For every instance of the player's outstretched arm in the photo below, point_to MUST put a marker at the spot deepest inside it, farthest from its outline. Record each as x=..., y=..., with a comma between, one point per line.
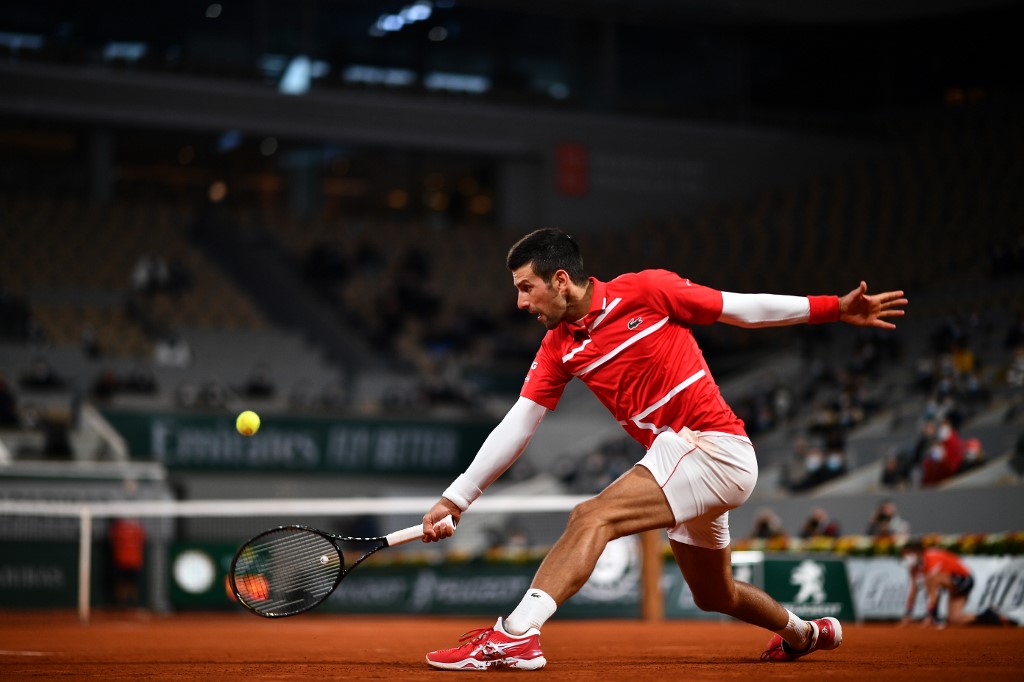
x=500, y=449
x=864, y=310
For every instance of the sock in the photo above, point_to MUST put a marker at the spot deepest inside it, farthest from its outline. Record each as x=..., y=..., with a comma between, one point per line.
x=535, y=608
x=796, y=630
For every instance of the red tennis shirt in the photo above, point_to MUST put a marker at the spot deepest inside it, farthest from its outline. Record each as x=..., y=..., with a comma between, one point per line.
x=935, y=560
x=635, y=350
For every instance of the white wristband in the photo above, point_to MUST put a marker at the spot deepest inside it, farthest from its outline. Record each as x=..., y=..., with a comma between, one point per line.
x=463, y=492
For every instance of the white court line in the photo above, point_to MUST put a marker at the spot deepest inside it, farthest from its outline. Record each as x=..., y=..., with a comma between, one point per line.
x=9, y=652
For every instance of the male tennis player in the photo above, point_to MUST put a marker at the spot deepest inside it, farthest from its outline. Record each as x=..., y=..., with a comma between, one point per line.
x=630, y=341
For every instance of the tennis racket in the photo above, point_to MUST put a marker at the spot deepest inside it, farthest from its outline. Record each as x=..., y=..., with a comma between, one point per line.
x=291, y=569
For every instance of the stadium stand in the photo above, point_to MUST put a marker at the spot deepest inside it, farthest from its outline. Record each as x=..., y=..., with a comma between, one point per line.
x=166, y=300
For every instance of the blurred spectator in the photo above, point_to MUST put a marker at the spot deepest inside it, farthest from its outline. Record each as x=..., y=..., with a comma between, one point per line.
x=41, y=375
x=140, y=380
x=892, y=474
x=767, y=525
x=150, y=274
x=1015, y=333
x=794, y=466
x=15, y=318
x=1015, y=371
x=897, y=468
x=172, y=351
x=106, y=385
x=819, y=524
x=334, y=395
x=302, y=395
x=974, y=455
x=962, y=358
x=325, y=265
x=1017, y=458
x=886, y=521
x=8, y=404
x=212, y=394
x=595, y=471
x=90, y=344
x=186, y=395
x=944, y=455
x=56, y=440
x=179, y=277
x=813, y=470
x=821, y=465
x=259, y=383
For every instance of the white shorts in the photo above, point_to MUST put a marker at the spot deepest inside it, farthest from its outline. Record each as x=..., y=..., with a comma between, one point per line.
x=703, y=476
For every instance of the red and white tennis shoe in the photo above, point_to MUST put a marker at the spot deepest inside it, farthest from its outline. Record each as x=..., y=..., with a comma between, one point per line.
x=826, y=633
x=492, y=649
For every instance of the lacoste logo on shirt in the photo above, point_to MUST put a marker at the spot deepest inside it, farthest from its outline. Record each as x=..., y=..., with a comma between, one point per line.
x=634, y=323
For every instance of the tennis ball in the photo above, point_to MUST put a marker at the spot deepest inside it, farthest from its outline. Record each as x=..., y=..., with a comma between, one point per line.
x=248, y=423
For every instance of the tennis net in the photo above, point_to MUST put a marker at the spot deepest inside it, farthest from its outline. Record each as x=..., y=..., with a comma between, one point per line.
x=79, y=555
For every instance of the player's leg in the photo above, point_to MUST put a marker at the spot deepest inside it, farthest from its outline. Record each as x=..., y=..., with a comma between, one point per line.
x=704, y=476
x=708, y=572
x=955, y=615
x=631, y=504
x=959, y=589
x=934, y=584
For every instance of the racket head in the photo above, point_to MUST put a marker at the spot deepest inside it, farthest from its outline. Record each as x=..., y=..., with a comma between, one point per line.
x=286, y=570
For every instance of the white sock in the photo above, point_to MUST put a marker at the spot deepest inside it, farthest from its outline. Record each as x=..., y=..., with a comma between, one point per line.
x=533, y=611
x=797, y=630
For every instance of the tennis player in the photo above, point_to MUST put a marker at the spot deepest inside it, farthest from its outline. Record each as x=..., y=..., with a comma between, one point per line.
x=630, y=341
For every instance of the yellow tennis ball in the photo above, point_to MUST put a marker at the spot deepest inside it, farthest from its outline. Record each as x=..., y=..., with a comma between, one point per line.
x=248, y=423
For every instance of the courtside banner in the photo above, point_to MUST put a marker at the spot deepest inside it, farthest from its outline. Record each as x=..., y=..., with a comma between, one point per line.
x=198, y=574
x=880, y=587
x=811, y=587
x=998, y=584
x=210, y=442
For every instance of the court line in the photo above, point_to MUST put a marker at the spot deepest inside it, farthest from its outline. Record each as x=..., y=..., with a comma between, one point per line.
x=12, y=652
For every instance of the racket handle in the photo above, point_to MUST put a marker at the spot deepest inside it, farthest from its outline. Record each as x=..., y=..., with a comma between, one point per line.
x=411, y=533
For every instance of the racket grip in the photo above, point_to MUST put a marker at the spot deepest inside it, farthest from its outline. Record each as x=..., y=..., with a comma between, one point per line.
x=411, y=533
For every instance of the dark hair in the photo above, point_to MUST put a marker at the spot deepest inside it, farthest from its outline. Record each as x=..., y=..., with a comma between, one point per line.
x=913, y=545
x=548, y=250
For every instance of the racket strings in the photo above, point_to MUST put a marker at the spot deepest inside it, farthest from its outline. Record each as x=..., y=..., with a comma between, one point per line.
x=287, y=571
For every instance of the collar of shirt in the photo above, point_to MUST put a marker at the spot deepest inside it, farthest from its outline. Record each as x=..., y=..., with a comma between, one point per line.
x=598, y=302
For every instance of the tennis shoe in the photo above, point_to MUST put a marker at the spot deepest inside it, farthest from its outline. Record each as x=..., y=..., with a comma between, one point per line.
x=826, y=633
x=491, y=649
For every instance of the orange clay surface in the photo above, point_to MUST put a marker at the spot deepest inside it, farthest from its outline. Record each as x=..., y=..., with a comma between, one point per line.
x=50, y=646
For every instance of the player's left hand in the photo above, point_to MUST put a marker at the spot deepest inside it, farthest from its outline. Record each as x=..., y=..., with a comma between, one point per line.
x=864, y=310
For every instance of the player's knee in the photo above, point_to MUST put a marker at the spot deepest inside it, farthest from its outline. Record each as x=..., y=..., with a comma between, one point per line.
x=589, y=516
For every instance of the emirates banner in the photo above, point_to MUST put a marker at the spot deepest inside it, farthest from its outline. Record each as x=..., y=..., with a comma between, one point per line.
x=200, y=441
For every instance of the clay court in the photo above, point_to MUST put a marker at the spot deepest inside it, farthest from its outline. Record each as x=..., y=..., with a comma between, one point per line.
x=240, y=646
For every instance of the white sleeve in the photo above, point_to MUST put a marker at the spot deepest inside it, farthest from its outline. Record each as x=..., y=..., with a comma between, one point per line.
x=764, y=310
x=500, y=449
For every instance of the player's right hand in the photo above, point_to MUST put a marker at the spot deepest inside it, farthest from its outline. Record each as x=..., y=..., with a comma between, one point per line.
x=433, y=530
